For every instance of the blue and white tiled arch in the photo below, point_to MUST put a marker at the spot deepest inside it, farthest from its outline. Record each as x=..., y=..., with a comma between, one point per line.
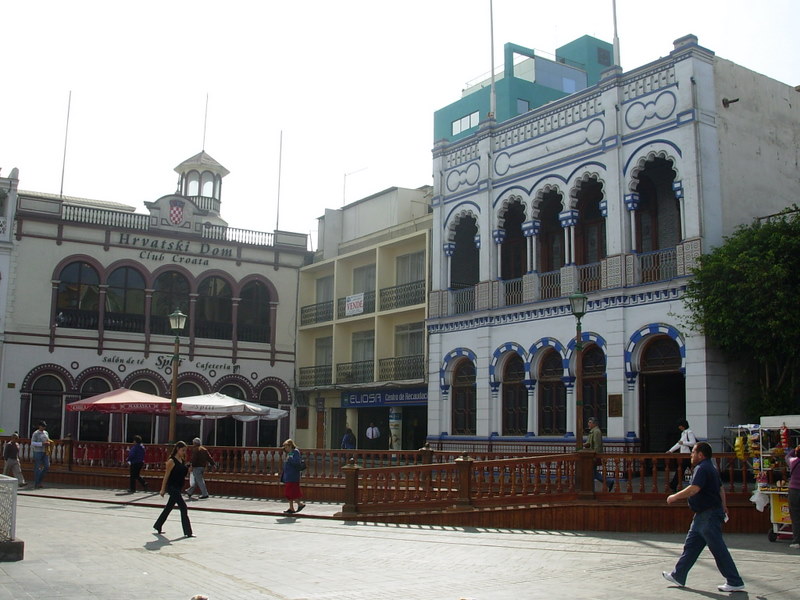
x=631, y=370
x=449, y=359
x=586, y=337
x=536, y=350
x=499, y=353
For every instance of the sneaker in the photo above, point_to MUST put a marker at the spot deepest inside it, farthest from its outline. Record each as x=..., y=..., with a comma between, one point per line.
x=726, y=587
x=794, y=546
x=671, y=579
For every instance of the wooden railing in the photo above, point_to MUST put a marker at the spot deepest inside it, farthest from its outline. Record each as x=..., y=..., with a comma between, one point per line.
x=381, y=480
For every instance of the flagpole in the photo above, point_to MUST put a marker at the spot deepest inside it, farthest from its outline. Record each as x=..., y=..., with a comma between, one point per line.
x=64, y=157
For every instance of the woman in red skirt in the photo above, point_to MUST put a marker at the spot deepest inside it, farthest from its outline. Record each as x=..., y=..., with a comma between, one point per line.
x=291, y=477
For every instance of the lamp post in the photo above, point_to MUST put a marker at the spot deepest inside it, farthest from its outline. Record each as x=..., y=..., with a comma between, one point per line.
x=577, y=302
x=177, y=321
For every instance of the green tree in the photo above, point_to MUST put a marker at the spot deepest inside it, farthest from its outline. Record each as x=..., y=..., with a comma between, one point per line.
x=744, y=297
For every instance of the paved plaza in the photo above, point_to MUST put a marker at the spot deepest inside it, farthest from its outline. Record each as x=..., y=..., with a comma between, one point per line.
x=91, y=544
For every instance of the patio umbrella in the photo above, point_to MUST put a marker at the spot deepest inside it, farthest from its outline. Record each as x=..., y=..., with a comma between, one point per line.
x=217, y=406
x=125, y=401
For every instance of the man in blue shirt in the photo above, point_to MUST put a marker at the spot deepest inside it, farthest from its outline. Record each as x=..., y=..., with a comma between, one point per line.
x=706, y=498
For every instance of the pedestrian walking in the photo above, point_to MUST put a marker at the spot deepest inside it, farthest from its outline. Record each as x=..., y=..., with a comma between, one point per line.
x=201, y=458
x=684, y=445
x=174, y=476
x=11, y=456
x=40, y=444
x=595, y=442
x=706, y=498
x=136, y=462
x=793, y=463
x=348, y=440
x=291, y=477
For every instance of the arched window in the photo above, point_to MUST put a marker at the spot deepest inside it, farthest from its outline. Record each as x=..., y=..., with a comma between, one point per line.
x=658, y=213
x=515, y=397
x=268, y=430
x=464, y=267
x=170, y=291
x=47, y=404
x=193, y=184
x=230, y=431
x=253, y=317
x=594, y=385
x=662, y=355
x=551, y=234
x=590, y=232
x=186, y=428
x=552, y=396
x=125, y=301
x=93, y=426
x=141, y=424
x=78, y=296
x=464, y=403
x=207, y=184
x=213, y=313
x=514, y=261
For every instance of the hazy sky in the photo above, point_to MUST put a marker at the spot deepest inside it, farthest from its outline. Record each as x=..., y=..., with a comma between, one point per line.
x=353, y=85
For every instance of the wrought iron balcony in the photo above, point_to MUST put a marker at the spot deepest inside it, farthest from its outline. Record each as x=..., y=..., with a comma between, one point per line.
x=315, y=376
x=355, y=372
x=316, y=313
x=407, y=294
x=658, y=265
x=368, y=306
x=401, y=367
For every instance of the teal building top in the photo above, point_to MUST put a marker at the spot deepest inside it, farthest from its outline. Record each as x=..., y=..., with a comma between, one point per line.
x=525, y=85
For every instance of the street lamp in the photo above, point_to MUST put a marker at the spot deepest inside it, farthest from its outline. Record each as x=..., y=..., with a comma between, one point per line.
x=577, y=302
x=177, y=321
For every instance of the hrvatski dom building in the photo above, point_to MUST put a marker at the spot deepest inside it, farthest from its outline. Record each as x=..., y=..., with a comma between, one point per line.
x=589, y=179
x=88, y=286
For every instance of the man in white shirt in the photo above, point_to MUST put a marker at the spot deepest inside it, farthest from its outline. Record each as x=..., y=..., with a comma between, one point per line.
x=40, y=441
x=684, y=446
x=373, y=435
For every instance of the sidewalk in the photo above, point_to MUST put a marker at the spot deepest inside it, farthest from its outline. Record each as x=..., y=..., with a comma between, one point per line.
x=89, y=544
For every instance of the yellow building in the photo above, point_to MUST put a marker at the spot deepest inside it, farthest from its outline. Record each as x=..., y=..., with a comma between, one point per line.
x=361, y=342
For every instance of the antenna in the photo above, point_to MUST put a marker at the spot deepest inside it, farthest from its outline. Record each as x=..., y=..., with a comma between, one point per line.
x=64, y=158
x=616, y=39
x=492, y=94
x=280, y=163
x=344, y=185
x=205, y=124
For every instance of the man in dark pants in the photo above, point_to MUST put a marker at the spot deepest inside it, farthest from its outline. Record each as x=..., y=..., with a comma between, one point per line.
x=706, y=498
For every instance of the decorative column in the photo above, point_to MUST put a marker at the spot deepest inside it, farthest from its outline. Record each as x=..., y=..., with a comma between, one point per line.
x=568, y=220
x=499, y=236
x=530, y=229
x=632, y=203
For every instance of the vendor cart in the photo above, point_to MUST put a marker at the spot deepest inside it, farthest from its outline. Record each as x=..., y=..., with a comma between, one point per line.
x=776, y=436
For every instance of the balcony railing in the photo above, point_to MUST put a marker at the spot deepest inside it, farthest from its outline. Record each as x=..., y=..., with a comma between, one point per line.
x=401, y=367
x=316, y=313
x=123, y=322
x=512, y=291
x=355, y=372
x=77, y=319
x=205, y=203
x=367, y=307
x=658, y=265
x=462, y=300
x=407, y=294
x=316, y=375
x=589, y=278
x=550, y=285
x=215, y=330
x=252, y=333
x=108, y=218
x=239, y=236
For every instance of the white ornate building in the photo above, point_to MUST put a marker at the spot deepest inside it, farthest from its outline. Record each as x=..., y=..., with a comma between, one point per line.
x=89, y=286
x=614, y=191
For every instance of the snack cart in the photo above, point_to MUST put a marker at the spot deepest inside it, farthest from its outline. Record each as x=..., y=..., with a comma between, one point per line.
x=776, y=435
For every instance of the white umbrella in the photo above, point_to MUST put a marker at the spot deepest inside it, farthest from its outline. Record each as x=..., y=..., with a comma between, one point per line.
x=218, y=406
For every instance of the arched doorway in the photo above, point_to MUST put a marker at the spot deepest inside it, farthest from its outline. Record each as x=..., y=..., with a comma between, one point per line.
x=662, y=394
x=515, y=397
x=464, y=417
